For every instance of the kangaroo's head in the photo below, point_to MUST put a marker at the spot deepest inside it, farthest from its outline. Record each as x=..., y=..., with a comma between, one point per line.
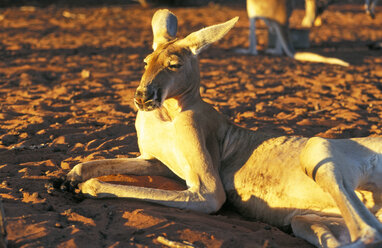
x=172, y=71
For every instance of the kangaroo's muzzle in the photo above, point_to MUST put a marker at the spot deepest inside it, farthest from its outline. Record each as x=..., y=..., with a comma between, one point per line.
x=148, y=98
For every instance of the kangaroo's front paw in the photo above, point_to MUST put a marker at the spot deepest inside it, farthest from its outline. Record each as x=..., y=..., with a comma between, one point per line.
x=61, y=183
x=90, y=187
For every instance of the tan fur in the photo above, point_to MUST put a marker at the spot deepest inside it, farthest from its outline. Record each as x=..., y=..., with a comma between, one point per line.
x=311, y=19
x=308, y=183
x=275, y=13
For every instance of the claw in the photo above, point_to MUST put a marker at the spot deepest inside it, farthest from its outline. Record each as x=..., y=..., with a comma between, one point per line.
x=65, y=186
x=73, y=185
x=61, y=184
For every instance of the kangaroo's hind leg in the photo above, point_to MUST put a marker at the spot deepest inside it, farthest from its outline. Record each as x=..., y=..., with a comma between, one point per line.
x=310, y=13
x=274, y=44
x=339, y=167
x=320, y=230
x=252, y=36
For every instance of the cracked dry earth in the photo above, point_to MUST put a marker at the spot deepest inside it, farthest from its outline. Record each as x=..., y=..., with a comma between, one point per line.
x=67, y=80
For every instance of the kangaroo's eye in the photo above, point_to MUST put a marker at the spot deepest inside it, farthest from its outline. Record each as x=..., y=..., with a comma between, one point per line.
x=145, y=64
x=174, y=66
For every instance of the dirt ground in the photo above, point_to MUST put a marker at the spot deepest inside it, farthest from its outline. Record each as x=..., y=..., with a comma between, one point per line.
x=67, y=80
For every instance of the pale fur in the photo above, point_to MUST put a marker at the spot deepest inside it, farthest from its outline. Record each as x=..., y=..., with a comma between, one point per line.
x=275, y=14
x=306, y=182
x=164, y=25
x=311, y=19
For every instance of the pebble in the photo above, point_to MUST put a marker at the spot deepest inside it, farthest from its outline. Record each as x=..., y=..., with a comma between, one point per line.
x=9, y=139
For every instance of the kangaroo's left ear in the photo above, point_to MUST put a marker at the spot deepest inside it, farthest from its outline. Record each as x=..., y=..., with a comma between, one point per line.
x=198, y=40
x=164, y=25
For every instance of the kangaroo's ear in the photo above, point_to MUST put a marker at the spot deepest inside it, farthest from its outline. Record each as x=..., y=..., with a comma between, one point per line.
x=198, y=40
x=164, y=25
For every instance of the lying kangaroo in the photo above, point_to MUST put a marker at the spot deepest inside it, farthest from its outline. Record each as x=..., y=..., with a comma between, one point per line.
x=308, y=183
x=276, y=13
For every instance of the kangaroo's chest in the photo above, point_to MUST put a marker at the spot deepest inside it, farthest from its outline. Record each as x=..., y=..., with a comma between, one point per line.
x=157, y=138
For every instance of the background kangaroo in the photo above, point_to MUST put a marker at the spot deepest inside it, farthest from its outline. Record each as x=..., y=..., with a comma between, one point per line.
x=275, y=14
x=370, y=7
x=314, y=9
x=308, y=183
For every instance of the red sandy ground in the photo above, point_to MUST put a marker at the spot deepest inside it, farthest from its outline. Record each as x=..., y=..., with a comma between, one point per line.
x=54, y=116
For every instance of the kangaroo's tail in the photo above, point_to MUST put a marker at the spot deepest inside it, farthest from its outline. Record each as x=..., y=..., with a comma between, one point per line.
x=283, y=36
x=313, y=57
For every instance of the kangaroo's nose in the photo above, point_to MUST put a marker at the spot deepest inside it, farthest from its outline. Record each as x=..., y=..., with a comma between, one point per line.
x=144, y=95
x=138, y=98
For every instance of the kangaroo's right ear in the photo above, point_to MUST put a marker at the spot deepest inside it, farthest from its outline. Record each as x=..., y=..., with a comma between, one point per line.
x=164, y=25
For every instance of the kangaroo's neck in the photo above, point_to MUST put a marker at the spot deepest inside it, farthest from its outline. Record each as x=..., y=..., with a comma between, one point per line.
x=173, y=106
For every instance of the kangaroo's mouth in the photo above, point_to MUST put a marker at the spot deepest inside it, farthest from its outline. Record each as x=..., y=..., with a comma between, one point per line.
x=148, y=105
x=148, y=100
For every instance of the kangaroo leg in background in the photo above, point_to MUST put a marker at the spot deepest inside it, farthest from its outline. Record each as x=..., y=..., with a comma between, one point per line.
x=252, y=39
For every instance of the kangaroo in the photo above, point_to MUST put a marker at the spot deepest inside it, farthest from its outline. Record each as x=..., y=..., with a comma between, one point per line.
x=314, y=9
x=276, y=13
x=370, y=7
x=308, y=183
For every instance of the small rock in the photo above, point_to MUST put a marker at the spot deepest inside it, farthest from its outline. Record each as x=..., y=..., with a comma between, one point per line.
x=250, y=87
x=9, y=139
x=58, y=225
x=49, y=208
x=35, y=195
x=304, y=122
x=85, y=73
x=65, y=165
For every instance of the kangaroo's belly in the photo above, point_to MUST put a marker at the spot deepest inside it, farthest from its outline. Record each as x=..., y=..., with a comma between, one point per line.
x=271, y=9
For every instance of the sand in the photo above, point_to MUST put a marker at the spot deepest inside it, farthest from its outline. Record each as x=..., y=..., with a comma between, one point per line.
x=67, y=80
